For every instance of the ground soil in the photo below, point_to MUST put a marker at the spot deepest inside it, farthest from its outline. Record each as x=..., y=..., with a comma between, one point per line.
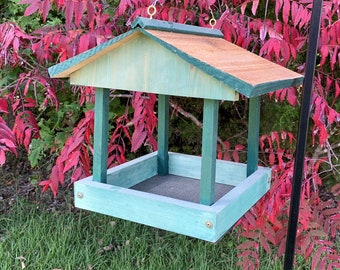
x=19, y=180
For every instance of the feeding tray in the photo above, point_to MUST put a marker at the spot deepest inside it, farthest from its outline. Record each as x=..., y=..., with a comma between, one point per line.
x=197, y=196
x=134, y=191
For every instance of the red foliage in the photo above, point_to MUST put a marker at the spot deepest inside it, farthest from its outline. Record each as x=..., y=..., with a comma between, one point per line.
x=281, y=39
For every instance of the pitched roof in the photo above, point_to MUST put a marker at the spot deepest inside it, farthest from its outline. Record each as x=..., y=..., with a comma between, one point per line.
x=202, y=49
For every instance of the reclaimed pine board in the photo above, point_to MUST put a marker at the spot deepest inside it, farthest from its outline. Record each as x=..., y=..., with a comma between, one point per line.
x=101, y=133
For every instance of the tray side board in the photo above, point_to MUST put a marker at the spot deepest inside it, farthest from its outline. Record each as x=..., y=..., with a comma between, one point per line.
x=208, y=223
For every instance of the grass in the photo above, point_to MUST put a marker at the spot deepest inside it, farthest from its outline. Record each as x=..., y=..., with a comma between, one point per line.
x=33, y=238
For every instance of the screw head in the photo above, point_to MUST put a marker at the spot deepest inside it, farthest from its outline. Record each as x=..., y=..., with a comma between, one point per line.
x=80, y=195
x=208, y=224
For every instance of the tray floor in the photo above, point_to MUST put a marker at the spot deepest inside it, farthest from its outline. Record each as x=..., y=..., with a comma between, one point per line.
x=178, y=187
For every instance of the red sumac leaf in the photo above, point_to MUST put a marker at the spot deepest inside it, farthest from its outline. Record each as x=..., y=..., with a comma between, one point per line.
x=27, y=139
x=78, y=11
x=278, y=6
x=3, y=105
x=84, y=42
x=76, y=174
x=2, y=157
x=54, y=180
x=75, y=142
x=250, y=218
x=69, y=10
x=265, y=244
x=337, y=90
x=72, y=161
x=31, y=8
x=46, y=5
x=248, y=245
x=138, y=138
x=286, y=11
x=336, y=189
x=292, y=96
x=254, y=6
x=263, y=31
x=271, y=158
x=324, y=51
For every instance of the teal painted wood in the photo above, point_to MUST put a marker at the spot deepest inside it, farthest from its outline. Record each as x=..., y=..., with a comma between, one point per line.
x=204, y=222
x=227, y=172
x=209, y=141
x=240, y=199
x=253, y=134
x=156, y=70
x=149, y=209
x=133, y=172
x=163, y=134
x=175, y=27
x=101, y=131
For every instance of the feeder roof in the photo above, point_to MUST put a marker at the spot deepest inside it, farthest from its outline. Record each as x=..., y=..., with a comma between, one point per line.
x=175, y=59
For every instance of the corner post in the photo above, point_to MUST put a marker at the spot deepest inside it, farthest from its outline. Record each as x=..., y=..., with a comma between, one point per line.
x=101, y=129
x=163, y=134
x=253, y=134
x=209, y=142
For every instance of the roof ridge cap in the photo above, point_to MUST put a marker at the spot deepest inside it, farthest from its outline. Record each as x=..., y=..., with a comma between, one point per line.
x=153, y=24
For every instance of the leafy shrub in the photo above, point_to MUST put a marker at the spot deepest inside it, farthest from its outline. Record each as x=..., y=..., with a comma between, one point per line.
x=49, y=118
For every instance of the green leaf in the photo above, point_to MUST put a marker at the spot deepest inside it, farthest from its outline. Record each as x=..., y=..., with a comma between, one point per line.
x=37, y=152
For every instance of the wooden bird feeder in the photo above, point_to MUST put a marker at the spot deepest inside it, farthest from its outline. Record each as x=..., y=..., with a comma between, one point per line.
x=196, y=196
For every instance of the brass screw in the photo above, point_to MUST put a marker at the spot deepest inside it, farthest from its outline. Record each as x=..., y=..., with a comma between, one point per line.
x=80, y=195
x=208, y=224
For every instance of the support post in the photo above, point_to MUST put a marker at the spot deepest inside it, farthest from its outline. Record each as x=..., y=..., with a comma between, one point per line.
x=209, y=142
x=101, y=123
x=163, y=134
x=302, y=134
x=253, y=134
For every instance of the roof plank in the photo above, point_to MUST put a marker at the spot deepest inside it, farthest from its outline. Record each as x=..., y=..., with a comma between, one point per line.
x=232, y=63
x=229, y=64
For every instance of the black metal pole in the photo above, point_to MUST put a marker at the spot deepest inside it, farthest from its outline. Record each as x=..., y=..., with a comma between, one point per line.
x=302, y=133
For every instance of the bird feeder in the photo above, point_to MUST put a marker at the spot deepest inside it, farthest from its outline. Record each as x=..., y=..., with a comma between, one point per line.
x=198, y=196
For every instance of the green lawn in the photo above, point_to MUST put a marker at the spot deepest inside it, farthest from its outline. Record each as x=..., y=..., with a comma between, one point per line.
x=31, y=237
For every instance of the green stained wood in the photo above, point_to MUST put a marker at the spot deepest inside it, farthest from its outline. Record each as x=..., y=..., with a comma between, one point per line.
x=155, y=70
x=101, y=122
x=163, y=134
x=253, y=134
x=175, y=27
x=209, y=140
x=225, y=66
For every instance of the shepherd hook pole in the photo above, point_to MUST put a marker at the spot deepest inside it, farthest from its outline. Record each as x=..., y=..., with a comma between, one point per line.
x=302, y=133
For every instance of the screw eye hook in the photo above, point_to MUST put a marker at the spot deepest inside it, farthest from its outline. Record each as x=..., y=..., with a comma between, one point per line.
x=151, y=11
